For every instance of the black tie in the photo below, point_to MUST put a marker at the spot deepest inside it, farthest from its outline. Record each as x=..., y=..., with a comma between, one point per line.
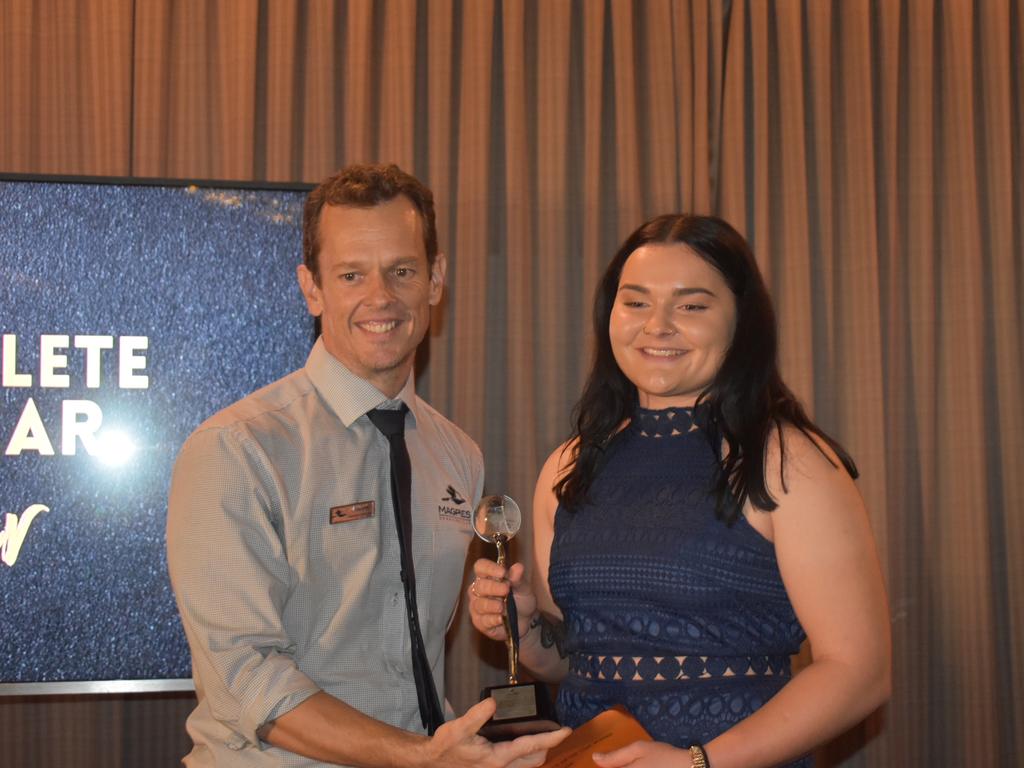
x=392, y=424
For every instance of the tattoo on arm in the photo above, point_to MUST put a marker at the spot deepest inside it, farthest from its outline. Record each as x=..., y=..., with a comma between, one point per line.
x=552, y=633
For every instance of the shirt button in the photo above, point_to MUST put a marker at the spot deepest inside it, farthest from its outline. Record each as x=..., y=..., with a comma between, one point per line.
x=394, y=599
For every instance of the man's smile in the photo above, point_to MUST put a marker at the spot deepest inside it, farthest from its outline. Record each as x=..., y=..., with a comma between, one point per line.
x=378, y=326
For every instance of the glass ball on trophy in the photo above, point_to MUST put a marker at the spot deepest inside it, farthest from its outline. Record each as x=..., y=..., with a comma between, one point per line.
x=522, y=707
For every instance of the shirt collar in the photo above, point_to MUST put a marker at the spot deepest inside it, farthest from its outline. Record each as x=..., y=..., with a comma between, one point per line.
x=349, y=395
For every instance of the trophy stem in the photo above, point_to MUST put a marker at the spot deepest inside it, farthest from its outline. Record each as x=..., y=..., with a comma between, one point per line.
x=519, y=708
x=509, y=620
x=499, y=542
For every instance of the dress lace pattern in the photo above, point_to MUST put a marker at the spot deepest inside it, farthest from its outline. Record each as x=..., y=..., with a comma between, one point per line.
x=668, y=611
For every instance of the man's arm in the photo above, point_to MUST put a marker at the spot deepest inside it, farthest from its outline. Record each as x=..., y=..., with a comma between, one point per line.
x=326, y=729
x=231, y=579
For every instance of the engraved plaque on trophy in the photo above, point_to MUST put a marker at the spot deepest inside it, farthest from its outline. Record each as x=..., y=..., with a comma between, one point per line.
x=522, y=707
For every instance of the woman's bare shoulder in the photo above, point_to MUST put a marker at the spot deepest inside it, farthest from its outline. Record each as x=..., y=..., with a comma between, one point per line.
x=560, y=461
x=793, y=457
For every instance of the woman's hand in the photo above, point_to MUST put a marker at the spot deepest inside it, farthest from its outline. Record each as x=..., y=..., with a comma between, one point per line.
x=645, y=754
x=490, y=585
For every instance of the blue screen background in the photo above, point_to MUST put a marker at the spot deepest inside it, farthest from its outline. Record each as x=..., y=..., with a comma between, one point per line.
x=208, y=275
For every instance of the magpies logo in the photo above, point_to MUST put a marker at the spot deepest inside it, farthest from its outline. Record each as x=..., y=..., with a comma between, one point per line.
x=453, y=496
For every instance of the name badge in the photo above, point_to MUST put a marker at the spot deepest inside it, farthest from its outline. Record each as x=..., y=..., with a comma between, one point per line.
x=350, y=512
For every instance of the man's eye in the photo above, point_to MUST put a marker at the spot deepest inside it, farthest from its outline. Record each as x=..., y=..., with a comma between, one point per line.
x=403, y=272
x=348, y=277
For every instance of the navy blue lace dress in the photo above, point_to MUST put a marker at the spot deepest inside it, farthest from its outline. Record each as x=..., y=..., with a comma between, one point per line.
x=668, y=611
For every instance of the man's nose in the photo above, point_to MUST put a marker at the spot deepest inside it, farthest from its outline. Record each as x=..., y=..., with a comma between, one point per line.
x=378, y=289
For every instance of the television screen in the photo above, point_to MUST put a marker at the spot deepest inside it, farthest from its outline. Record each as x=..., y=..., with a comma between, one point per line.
x=129, y=313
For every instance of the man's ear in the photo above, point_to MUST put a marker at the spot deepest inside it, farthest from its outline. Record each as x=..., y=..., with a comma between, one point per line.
x=310, y=290
x=438, y=270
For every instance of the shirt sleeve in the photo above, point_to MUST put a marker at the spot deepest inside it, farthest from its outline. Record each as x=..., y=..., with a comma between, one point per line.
x=230, y=575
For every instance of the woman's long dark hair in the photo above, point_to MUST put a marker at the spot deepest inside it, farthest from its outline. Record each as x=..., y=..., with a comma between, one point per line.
x=745, y=405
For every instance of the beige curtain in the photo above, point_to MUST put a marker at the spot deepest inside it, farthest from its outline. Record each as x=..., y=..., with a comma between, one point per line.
x=872, y=151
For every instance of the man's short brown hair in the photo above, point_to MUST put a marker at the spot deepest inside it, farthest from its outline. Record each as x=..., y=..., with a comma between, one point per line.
x=365, y=186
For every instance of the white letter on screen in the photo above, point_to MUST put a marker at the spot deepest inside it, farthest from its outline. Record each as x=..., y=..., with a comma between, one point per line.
x=50, y=361
x=71, y=428
x=15, y=531
x=130, y=362
x=11, y=377
x=29, y=434
x=93, y=346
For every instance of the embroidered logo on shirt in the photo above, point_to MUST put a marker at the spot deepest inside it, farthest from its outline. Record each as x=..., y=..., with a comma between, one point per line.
x=350, y=512
x=452, y=511
x=453, y=496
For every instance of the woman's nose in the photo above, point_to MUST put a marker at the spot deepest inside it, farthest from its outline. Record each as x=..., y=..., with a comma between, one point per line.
x=659, y=324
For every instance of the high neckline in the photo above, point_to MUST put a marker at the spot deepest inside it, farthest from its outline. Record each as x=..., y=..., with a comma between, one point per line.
x=663, y=422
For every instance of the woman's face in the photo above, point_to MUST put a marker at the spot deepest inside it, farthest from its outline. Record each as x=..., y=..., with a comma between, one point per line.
x=671, y=324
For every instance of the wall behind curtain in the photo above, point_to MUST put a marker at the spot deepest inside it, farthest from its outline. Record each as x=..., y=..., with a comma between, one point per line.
x=873, y=153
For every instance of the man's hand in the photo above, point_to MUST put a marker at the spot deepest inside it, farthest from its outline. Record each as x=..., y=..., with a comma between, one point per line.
x=458, y=745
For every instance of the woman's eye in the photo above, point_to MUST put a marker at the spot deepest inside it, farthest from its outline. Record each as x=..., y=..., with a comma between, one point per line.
x=694, y=307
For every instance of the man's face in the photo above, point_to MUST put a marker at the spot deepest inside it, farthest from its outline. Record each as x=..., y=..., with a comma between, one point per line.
x=375, y=289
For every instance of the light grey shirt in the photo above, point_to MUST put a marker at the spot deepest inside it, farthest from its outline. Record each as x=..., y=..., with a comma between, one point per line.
x=284, y=558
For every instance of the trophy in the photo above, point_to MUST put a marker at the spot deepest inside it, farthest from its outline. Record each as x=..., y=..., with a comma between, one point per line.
x=522, y=707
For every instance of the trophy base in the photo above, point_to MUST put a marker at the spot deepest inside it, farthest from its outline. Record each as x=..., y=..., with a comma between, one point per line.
x=522, y=709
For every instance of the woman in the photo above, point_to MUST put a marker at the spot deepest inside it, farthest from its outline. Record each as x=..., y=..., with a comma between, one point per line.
x=696, y=526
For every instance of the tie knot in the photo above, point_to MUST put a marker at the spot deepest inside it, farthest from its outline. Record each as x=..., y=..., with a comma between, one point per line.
x=389, y=422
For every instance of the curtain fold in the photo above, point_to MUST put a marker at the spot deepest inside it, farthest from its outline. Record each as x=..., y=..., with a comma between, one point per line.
x=872, y=152
x=66, y=86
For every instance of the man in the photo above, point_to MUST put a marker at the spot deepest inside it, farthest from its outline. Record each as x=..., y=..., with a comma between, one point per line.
x=285, y=551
